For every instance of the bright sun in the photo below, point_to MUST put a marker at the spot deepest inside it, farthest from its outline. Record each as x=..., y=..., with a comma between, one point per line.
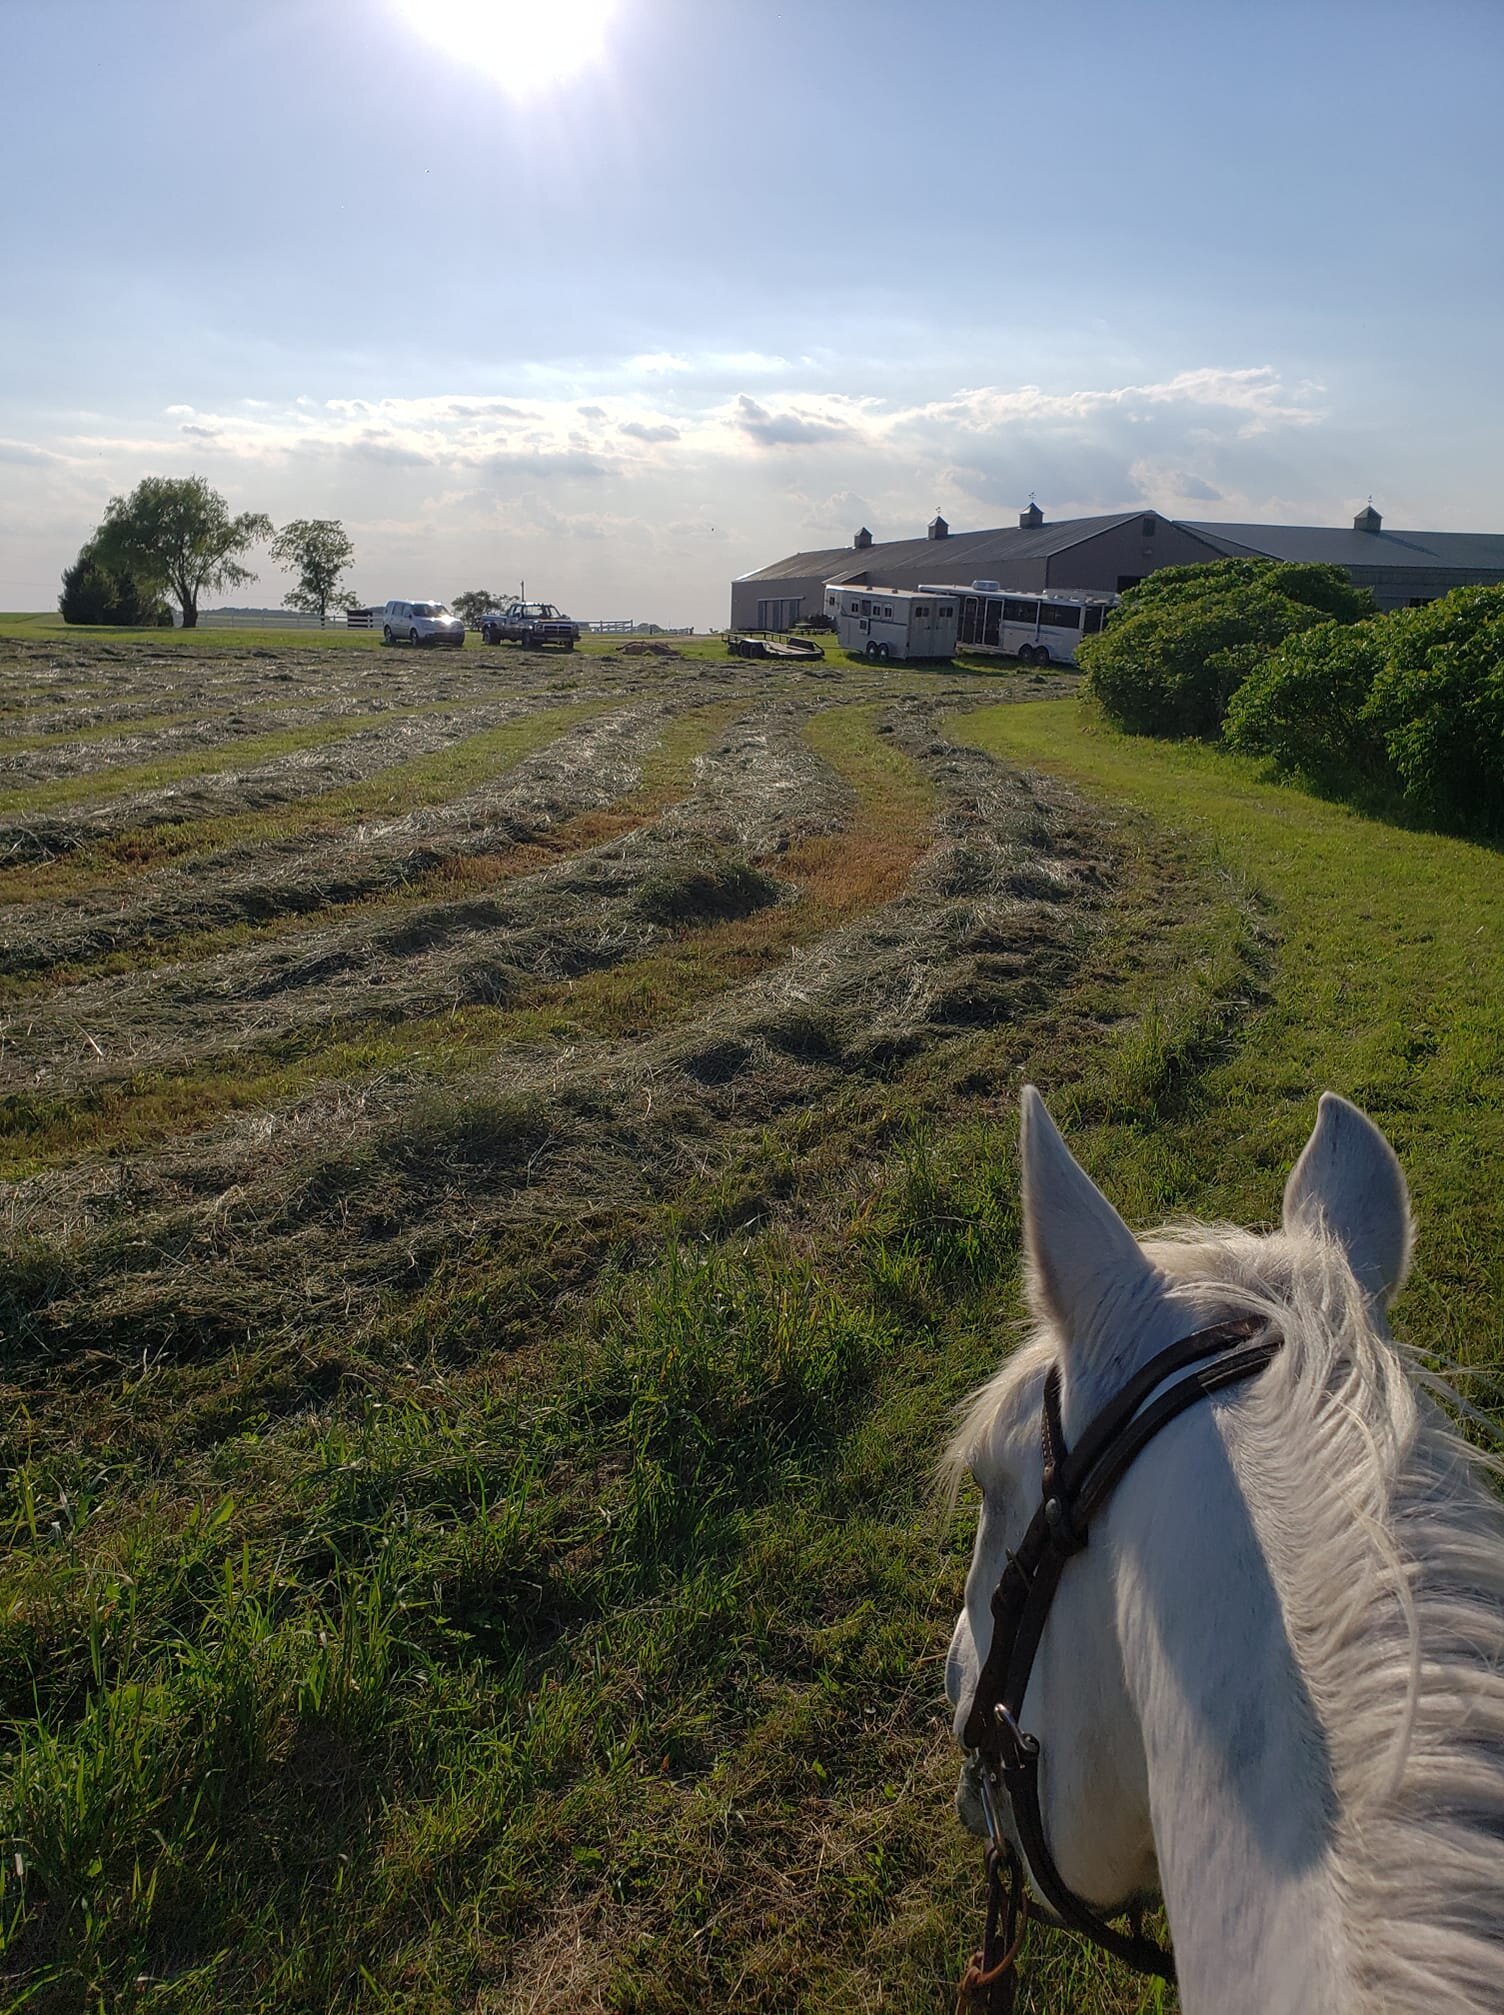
x=528, y=45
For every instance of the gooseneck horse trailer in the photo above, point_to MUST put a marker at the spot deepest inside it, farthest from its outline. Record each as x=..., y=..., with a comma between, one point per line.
x=1035, y=629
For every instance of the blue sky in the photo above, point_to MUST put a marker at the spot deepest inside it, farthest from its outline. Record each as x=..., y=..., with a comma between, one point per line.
x=749, y=277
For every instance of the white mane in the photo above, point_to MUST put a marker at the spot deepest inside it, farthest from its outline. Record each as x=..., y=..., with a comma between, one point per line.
x=1387, y=1551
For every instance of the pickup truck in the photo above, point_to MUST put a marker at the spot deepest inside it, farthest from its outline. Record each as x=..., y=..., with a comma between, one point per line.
x=534, y=624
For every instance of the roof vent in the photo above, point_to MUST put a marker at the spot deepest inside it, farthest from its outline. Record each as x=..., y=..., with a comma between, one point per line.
x=1368, y=519
x=862, y=540
x=1029, y=520
x=938, y=529
x=986, y=587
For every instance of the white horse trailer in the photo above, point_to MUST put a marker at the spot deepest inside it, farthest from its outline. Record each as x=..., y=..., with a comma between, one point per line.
x=893, y=622
x=1035, y=629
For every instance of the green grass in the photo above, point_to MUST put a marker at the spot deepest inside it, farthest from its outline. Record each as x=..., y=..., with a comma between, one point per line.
x=1386, y=983
x=572, y=1625
x=211, y=638
x=707, y=647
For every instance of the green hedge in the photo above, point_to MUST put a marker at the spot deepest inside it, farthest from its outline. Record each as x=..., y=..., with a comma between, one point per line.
x=1304, y=705
x=1439, y=704
x=1181, y=643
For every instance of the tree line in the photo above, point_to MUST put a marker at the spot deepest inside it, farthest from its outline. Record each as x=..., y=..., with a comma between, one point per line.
x=173, y=539
x=1399, y=711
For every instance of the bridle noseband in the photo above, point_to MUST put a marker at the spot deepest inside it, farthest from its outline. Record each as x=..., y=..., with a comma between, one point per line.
x=1076, y=1482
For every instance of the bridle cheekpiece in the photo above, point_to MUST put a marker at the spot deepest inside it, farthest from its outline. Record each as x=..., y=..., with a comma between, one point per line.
x=1004, y=1756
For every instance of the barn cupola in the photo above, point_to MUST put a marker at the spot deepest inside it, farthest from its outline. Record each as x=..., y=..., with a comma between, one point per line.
x=937, y=528
x=862, y=540
x=1032, y=519
x=1368, y=519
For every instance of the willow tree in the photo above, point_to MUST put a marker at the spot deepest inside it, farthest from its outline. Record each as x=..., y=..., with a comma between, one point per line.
x=174, y=535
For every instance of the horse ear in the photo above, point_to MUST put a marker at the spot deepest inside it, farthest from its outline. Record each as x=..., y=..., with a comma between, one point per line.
x=1348, y=1184
x=1083, y=1259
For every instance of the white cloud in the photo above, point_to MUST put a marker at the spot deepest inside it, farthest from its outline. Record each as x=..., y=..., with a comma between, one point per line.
x=794, y=426
x=643, y=497
x=656, y=362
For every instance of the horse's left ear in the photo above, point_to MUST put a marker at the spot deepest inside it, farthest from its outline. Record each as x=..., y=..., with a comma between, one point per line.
x=1349, y=1184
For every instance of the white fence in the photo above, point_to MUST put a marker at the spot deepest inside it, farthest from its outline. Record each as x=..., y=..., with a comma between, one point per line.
x=260, y=619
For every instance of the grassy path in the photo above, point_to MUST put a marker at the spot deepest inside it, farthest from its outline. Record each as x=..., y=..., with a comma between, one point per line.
x=1385, y=982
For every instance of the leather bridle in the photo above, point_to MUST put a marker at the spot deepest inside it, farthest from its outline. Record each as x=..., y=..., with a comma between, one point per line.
x=1004, y=1757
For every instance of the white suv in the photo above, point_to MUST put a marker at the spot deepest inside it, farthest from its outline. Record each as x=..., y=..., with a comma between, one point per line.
x=421, y=623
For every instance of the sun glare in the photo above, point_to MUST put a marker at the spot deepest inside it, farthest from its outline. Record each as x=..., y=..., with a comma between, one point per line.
x=526, y=45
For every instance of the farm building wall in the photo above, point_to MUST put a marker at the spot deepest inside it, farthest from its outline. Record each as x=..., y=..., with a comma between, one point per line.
x=767, y=605
x=1399, y=587
x=1113, y=560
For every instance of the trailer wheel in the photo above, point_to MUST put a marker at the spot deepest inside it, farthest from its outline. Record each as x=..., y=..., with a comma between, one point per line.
x=1026, y=654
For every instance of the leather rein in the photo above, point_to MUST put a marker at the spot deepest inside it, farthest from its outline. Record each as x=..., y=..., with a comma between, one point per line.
x=1004, y=1757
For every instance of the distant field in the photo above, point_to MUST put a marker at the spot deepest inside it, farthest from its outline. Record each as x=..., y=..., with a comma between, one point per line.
x=338, y=637
x=507, y=1170
x=213, y=636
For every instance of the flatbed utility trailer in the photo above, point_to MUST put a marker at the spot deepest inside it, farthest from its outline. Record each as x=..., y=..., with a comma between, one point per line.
x=774, y=647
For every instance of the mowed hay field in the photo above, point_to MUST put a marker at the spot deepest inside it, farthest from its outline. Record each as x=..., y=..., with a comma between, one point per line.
x=508, y=1170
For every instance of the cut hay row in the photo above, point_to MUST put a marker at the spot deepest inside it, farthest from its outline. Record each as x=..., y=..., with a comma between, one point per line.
x=551, y=955
x=166, y=820
x=543, y=779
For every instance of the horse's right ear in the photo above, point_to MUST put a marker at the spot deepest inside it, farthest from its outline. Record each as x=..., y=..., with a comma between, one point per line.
x=1084, y=1262
x=1349, y=1185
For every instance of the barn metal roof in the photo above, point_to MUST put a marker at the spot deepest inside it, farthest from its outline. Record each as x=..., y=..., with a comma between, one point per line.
x=1344, y=546
x=987, y=555
x=974, y=555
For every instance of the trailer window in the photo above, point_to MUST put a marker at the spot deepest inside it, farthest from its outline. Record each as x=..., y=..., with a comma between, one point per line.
x=921, y=609
x=1059, y=616
x=1020, y=612
x=993, y=624
x=1094, y=618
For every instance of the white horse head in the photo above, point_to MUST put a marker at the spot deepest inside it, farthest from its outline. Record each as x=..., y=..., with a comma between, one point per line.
x=1271, y=1689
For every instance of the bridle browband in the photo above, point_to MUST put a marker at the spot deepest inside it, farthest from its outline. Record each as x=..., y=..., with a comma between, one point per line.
x=1076, y=1482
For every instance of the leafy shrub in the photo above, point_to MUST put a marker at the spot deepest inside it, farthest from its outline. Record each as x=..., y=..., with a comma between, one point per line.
x=1439, y=704
x=1304, y=704
x=1183, y=641
x=95, y=593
